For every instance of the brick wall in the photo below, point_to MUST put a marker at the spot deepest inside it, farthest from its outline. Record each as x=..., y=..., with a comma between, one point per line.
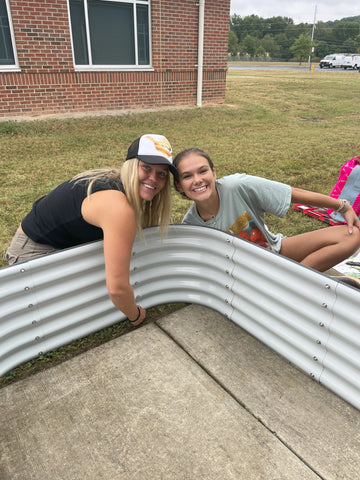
x=49, y=84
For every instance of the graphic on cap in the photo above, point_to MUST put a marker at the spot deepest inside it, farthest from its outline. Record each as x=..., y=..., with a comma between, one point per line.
x=163, y=146
x=153, y=149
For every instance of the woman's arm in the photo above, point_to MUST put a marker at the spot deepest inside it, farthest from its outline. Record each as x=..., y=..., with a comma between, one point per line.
x=110, y=210
x=319, y=200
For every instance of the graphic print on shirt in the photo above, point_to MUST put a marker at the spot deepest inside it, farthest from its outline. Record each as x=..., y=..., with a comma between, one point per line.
x=246, y=228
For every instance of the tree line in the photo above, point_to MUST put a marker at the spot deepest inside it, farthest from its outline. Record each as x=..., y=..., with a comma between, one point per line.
x=279, y=38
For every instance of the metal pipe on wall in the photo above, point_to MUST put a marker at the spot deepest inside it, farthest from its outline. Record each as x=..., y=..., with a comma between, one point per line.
x=200, y=52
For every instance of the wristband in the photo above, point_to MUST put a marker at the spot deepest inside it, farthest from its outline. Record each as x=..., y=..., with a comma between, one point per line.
x=137, y=318
x=344, y=206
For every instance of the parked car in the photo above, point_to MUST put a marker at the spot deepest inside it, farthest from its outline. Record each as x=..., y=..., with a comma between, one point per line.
x=351, y=61
x=333, y=60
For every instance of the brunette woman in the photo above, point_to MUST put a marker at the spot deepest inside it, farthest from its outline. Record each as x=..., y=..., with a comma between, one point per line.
x=237, y=204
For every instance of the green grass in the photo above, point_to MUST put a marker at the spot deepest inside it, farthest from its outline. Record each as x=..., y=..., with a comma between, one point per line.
x=297, y=127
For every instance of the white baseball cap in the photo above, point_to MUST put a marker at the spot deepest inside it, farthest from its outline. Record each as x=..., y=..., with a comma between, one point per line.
x=153, y=149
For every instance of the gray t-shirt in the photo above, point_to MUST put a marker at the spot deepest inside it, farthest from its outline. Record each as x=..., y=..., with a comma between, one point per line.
x=244, y=199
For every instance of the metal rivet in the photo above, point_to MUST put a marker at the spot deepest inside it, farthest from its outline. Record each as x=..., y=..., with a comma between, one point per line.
x=324, y=305
x=318, y=342
x=315, y=359
x=312, y=375
x=37, y=338
x=226, y=301
x=327, y=286
x=22, y=270
x=321, y=324
x=26, y=289
x=227, y=256
x=227, y=271
x=227, y=240
x=34, y=322
x=30, y=305
x=41, y=353
x=227, y=286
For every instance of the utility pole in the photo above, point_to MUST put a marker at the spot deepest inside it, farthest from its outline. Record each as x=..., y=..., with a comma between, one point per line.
x=312, y=38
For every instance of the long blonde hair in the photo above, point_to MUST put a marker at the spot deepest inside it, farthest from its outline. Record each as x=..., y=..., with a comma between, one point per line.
x=147, y=214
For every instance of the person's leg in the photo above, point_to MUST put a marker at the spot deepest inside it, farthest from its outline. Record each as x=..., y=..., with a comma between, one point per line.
x=321, y=249
x=23, y=248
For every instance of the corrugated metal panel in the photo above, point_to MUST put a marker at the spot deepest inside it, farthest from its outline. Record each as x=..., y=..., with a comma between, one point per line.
x=342, y=361
x=307, y=317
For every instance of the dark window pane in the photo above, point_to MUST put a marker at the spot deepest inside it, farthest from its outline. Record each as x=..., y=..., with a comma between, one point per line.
x=6, y=49
x=143, y=34
x=79, y=32
x=111, y=33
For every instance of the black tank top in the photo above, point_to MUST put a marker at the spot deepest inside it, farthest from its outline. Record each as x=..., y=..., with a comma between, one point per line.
x=56, y=220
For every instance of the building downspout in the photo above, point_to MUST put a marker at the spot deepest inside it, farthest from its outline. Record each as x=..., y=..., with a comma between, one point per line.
x=200, y=52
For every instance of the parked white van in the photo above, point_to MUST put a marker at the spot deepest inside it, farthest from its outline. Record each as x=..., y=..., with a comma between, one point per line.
x=351, y=61
x=333, y=60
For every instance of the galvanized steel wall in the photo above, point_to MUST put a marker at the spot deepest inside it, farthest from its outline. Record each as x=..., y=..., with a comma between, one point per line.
x=307, y=317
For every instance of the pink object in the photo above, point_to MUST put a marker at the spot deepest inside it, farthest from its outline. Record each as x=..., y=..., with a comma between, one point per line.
x=339, y=185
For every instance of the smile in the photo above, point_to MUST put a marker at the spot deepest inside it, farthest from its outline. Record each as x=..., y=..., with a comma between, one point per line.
x=146, y=185
x=200, y=189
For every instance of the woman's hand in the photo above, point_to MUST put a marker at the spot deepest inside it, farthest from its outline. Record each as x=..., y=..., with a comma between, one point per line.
x=142, y=315
x=351, y=219
x=314, y=199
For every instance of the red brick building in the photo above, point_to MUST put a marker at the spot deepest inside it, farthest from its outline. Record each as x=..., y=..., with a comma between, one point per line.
x=61, y=56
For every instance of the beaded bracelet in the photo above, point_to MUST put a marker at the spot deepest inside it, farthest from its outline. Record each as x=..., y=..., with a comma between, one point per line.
x=344, y=206
x=137, y=318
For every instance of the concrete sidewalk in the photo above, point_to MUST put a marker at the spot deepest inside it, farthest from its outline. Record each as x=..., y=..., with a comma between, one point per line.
x=190, y=397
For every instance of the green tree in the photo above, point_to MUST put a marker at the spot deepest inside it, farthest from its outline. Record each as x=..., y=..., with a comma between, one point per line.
x=350, y=45
x=276, y=25
x=270, y=46
x=260, y=51
x=249, y=43
x=233, y=47
x=345, y=30
x=323, y=33
x=235, y=25
x=301, y=47
x=357, y=40
x=253, y=25
x=279, y=36
x=284, y=45
x=322, y=49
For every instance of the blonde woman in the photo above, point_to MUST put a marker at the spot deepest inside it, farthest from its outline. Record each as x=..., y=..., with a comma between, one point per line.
x=108, y=204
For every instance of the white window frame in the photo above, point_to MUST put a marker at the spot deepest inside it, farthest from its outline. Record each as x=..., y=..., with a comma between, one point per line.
x=14, y=67
x=135, y=67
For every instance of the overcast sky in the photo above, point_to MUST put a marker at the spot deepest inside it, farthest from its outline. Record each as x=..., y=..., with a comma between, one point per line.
x=298, y=10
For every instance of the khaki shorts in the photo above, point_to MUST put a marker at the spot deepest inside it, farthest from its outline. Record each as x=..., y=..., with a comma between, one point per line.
x=23, y=248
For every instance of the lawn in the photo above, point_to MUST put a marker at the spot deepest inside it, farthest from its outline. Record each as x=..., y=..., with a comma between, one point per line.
x=297, y=127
